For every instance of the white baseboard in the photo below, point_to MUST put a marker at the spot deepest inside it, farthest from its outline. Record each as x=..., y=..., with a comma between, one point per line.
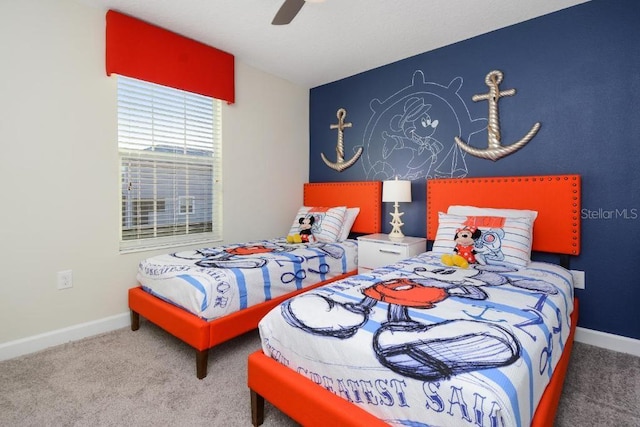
x=608, y=341
x=23, y=346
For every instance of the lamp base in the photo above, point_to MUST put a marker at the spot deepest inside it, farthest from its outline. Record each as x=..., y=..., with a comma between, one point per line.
x=396, y=223
x=397, y=236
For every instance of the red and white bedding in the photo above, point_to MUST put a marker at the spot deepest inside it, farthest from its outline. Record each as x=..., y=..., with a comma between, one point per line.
x=214, y=282
x=422, y=344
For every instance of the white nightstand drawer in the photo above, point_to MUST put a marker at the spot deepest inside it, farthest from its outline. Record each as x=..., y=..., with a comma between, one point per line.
x=374, y=254
x=377, y=250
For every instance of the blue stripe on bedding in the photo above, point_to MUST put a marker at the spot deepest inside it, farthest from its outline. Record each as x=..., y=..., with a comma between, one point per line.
x=527, y=359
x=196, y=284
x=498, y=377
x=267, y=284
x=162, y=297
x=242, y=286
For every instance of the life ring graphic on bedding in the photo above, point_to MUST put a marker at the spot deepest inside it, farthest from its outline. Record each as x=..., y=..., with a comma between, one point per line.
x=427, y=352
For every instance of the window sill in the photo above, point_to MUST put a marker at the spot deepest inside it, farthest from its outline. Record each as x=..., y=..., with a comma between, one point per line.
x=148, y=246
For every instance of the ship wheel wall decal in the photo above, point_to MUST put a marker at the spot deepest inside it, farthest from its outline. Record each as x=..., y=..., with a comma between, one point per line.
x=495, y=150
x=340, y=163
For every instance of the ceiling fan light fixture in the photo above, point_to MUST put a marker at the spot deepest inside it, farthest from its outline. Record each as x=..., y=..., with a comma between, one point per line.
x=289, y=10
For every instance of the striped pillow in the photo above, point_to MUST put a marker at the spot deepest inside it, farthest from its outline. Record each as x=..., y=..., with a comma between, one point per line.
x=503, y=240
x=327, y=222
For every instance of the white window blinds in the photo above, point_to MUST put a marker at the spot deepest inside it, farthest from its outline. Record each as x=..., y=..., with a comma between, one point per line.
x=170, y=159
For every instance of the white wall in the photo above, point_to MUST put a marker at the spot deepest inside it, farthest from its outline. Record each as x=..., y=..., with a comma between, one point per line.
x=265, y=155
x=59, y=170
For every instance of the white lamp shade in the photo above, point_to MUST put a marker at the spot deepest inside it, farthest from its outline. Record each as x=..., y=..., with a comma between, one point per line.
x=396, y=191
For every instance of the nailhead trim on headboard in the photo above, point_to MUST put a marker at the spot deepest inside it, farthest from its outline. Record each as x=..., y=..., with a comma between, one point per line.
x=556, y=198
x=367, y=195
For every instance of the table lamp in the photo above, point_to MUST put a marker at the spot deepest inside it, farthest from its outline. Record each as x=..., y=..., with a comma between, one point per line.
x=396, y=191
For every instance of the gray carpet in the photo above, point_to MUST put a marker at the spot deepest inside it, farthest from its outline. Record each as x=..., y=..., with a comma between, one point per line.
x=147, y=378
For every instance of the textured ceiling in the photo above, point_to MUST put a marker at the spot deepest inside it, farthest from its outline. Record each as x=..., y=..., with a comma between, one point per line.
x=335, y=39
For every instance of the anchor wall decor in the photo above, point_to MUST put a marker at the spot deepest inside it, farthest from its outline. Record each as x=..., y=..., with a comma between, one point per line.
x=495, y=150
x=340, y=163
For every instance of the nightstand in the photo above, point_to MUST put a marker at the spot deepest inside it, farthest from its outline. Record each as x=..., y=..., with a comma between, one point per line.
x=377, y=250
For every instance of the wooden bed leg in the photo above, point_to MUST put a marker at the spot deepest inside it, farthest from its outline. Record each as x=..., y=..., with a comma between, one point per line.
x=202, y=359
x=257, y=409
x=135, y=321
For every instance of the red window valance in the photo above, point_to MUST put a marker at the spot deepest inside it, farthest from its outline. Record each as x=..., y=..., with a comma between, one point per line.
x=143, y=51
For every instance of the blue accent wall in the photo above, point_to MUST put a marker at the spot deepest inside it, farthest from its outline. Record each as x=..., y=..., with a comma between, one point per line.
x=576, y=71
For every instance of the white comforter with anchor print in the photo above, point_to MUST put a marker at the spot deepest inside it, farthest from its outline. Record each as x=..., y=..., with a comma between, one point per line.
x=214, y=282
x=421, y=344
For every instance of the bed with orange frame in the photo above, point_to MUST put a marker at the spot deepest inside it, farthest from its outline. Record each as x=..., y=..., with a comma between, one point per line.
x=556, y=198
x=203, y=335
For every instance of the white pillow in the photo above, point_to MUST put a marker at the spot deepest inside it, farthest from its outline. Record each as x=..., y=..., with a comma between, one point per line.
x=327, y=222
x=476, y=211
x=349, y=219
x=503, y=240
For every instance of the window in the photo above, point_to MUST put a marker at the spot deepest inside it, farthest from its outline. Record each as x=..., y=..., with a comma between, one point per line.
x=185, y=205
x=170, y=166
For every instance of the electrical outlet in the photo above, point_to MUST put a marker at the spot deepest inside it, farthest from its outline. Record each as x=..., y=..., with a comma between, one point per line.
x=578, y=279
x=65, y=279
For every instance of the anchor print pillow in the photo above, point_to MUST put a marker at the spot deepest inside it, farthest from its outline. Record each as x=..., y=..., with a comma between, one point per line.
x=503, y=240
x=327, y=223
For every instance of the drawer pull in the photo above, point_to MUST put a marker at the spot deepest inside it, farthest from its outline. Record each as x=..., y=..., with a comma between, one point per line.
x=387, y=251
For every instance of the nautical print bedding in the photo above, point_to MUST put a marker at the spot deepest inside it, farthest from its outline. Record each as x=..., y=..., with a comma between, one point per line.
x=214, y=282
x=421, y=344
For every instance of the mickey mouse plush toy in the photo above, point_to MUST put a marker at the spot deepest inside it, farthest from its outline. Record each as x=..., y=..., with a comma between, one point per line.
x=304, y=235
x=465, y=252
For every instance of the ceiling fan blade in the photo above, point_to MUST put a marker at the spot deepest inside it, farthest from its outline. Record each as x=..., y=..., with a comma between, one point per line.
x=287, y=12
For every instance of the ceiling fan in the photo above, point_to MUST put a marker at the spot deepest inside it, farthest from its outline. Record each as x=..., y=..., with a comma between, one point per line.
x=289, y=10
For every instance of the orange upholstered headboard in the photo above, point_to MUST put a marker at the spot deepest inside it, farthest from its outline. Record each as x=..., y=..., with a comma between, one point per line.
x=366, y=195
x=556, y=198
